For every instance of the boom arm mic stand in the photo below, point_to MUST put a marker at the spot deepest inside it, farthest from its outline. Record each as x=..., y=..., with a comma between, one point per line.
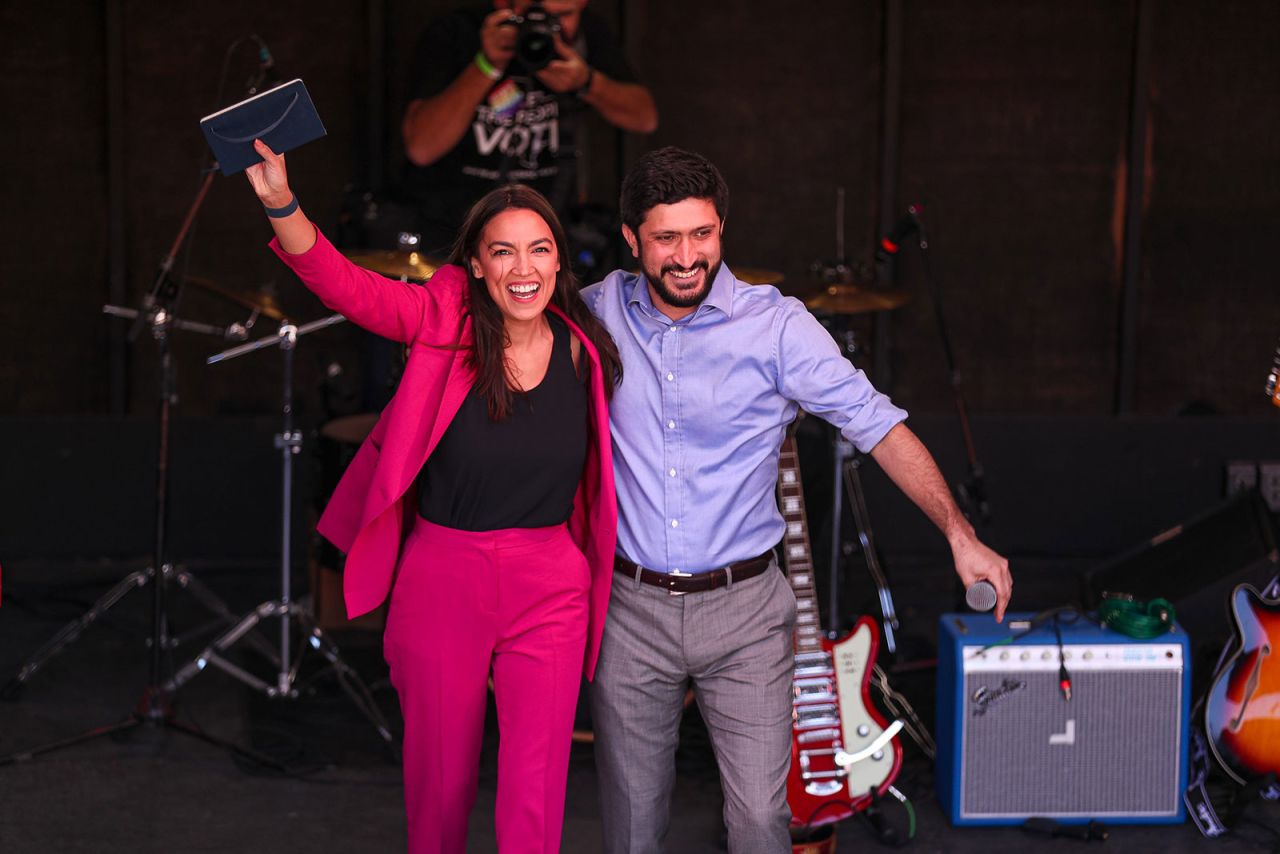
x=154, y=707
x=971, y=493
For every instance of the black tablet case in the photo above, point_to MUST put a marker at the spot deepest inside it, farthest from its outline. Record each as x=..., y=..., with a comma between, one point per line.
x=284, y=118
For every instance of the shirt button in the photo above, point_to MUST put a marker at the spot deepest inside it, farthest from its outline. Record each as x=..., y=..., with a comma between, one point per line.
x=672, y=472
x=671, y=425
x=670, y=376
x=675, y=523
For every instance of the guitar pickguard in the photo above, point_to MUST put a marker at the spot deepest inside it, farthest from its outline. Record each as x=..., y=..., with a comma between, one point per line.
x=852, y=662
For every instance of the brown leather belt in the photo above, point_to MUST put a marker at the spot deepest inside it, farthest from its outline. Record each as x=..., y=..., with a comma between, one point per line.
x=678, y=583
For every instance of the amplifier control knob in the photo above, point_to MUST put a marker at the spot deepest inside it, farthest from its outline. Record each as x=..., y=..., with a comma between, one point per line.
x=1025, y=656
x=1045, y=655
x=1087, y=655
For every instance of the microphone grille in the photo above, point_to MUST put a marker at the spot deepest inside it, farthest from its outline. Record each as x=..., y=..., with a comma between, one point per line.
x=980, y=596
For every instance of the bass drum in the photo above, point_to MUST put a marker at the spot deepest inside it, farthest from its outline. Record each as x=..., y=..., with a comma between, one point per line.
x=339, y=440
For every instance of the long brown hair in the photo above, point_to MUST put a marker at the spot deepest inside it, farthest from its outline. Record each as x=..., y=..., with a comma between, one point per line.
x=486, y=356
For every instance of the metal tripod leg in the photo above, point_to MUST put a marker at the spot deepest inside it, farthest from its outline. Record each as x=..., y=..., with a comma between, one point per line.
x=848, y=462
x=347, y=678
x=71, y=632
x=164, y=719
x=286, y=683
x=219, y=608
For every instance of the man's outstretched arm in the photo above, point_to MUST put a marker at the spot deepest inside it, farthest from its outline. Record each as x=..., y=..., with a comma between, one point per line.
x=910, y=465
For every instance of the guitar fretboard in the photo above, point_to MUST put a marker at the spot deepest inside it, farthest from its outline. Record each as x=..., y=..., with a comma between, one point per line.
x=796, y=552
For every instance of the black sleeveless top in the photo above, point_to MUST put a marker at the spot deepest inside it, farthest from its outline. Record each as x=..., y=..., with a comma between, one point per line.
x=518, y=473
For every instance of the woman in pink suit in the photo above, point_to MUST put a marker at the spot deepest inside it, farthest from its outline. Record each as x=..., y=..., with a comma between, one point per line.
x=482, y=502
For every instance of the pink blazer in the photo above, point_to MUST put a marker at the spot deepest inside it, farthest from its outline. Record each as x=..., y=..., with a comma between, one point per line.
x=366, y=517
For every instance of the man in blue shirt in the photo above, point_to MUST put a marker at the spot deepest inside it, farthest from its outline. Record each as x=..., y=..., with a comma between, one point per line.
x=715, y=371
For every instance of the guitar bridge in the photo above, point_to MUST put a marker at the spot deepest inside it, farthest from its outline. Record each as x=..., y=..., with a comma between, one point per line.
x=819, y=771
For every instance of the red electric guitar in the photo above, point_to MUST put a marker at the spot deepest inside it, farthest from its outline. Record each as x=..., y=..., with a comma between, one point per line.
x=841, y=747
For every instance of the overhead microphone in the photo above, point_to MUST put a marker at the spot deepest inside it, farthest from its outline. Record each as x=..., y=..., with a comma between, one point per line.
x=266, y=74
x=902, y=229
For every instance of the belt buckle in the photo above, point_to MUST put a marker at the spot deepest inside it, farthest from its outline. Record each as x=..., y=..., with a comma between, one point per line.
x=675, y=573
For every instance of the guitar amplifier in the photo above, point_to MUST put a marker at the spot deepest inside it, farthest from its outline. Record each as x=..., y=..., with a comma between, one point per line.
x=1010, y=746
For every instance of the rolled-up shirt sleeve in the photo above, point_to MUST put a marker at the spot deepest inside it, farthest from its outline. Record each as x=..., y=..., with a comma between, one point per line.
x=816, y=375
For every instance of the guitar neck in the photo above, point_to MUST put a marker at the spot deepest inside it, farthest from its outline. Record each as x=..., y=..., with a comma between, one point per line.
x=796, y=551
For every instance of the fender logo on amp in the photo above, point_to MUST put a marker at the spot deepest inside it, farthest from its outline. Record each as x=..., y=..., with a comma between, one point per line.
x=984, y=698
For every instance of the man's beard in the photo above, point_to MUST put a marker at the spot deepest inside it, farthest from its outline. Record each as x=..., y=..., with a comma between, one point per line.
x=683, y=299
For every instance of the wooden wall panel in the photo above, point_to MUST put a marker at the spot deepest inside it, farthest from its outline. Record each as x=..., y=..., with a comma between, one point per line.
x=1210, y=299
x=52, y=209
x=1014, y=117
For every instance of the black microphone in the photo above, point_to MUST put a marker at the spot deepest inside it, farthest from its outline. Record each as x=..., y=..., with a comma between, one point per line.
x=904, y=228
x=266, y=74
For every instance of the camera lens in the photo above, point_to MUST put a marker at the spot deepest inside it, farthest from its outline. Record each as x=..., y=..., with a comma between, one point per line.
x=535, y=40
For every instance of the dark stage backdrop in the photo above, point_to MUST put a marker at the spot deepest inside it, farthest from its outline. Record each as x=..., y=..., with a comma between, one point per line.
x=1014, y=134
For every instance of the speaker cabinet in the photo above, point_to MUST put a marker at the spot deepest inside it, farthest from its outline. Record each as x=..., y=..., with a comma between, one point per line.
x=1010, y=746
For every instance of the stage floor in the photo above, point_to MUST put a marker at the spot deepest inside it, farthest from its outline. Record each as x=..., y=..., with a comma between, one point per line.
x=163, y=791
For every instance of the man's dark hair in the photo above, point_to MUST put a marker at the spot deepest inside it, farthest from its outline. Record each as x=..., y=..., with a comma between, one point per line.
x=667, y=176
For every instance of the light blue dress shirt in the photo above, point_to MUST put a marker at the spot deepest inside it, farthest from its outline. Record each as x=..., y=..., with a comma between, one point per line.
x=702, y=410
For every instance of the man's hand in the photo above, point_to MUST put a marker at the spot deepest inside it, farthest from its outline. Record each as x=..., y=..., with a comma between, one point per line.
x=498, y=39
x=975, y=562
x=569, y=73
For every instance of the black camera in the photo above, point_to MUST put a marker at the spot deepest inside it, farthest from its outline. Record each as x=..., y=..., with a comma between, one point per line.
x=536, y=37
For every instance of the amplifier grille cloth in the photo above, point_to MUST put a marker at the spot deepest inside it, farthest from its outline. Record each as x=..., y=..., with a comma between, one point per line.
x=1124, y=758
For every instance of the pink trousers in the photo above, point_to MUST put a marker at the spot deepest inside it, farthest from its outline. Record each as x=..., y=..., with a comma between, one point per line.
x=512, y=602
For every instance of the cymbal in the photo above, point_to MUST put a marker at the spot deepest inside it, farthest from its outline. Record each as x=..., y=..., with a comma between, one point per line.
x=853, y=299
x=350, y=429
x=263, y=302
x=397, y=265
x=757, y=276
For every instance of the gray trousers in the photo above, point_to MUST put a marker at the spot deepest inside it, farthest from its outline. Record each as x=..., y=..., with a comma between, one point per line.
x=735, y=645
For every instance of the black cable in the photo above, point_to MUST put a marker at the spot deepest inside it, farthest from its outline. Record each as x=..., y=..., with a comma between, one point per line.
x=1064, y=678
x=207, y=163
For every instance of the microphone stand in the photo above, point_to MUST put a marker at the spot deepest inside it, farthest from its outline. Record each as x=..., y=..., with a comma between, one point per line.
x=971, y=493
x=154, y=707
x=289, y=442
x=847, y=462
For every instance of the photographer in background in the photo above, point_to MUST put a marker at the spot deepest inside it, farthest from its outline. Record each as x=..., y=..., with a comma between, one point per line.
x=497, y=97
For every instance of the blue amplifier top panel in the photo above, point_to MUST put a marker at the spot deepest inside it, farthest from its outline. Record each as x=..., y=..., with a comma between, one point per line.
x=968, y=629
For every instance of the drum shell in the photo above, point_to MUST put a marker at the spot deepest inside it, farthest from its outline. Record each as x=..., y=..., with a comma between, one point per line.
x=336, y=446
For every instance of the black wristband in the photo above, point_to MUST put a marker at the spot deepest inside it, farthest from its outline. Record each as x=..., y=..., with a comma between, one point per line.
x=591, y=76
x=281, y=213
